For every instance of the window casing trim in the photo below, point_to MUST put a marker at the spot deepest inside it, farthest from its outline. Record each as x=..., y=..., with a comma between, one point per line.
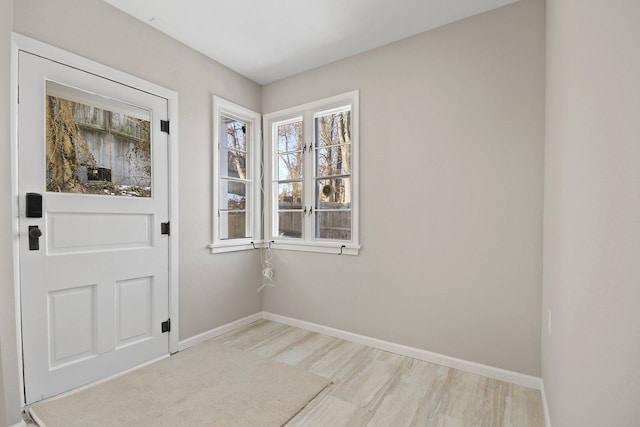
x=224, y=108
x=309, y=112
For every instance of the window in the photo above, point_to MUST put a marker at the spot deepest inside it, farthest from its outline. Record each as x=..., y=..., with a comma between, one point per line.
x=312, y=180
x=236, y=180
x=110, y=144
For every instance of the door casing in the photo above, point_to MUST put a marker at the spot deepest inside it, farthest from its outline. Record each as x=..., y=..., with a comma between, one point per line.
x=22, y=43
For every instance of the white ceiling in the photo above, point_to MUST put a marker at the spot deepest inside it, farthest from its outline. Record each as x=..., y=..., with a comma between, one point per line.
x=267, y=40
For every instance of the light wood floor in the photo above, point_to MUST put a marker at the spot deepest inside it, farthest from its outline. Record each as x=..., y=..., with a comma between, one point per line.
x=375, y=388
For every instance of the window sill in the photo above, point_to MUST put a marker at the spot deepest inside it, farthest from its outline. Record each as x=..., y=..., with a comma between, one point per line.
x=220, y=248
x=335, y=248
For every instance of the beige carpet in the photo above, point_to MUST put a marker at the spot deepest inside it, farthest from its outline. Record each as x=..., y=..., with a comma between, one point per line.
x=207, y=385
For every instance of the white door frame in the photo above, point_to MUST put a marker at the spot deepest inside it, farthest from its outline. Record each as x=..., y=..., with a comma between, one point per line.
x=22, y=43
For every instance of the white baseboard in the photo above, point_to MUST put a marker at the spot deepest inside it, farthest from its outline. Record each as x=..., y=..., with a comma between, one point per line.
x=545, y=406
x=416, y=353
x=216, y=332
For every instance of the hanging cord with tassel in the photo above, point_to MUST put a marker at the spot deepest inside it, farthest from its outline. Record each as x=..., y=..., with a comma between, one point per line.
x=267, y=268
x=265, y=253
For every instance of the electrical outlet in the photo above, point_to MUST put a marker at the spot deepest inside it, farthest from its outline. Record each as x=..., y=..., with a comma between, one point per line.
x=549, y=321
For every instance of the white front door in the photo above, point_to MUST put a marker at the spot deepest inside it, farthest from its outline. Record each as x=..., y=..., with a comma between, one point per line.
x=94, y=285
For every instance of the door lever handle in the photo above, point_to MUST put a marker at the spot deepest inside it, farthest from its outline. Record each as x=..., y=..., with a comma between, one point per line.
x=34, y=238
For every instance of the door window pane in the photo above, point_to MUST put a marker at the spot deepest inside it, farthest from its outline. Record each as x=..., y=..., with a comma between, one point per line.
x=95, y=147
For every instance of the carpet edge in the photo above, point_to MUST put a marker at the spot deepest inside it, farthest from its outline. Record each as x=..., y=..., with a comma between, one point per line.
x=310, y=400
x=35, y=418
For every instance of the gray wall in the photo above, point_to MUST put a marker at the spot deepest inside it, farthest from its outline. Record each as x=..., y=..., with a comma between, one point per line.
x=590, y=361
x=451, y=141
x=214, y=289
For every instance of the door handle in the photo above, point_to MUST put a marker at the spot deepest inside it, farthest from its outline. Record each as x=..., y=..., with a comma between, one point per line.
x=34, y=238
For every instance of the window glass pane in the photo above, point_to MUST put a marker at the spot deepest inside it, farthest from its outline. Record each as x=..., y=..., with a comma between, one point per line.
x=290, y=166
x=290, y=137
x=233, y=225
x=235, y=134
x=333, y=160
x=233, y=163
x=334, y=225
x=290, y=195
x=333, y=129
x=95, y=150
x=233, y=195
x=334, y=193
x=290, y=224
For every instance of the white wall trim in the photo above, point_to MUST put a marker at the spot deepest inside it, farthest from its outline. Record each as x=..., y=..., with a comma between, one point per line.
x=216, y=332
x=416, y=353
x=20, y=424
x=545, y=406
x=15, y=224
x=174, y=238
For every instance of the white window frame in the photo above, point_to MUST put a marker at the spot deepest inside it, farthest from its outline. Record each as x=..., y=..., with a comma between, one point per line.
x=223, y=107
x=308, y=112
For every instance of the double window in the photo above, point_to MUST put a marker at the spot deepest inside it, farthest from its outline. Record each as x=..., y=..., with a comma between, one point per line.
x=310, y=177
x=312, y=182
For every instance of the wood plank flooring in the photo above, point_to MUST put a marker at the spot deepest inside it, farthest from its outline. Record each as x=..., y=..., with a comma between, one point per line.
x=372, y=387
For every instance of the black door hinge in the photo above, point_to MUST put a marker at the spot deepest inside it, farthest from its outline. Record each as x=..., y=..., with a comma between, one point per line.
x=166, y=326
x=165, y=228
x=164, y=126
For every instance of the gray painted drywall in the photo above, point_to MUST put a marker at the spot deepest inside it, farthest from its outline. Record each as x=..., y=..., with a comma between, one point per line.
x=214, y=289
x=451, y=141
x=590, y=362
